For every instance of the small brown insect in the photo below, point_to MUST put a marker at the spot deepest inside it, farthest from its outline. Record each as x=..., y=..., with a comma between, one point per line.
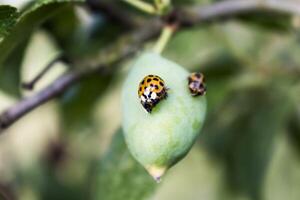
x=197, y=84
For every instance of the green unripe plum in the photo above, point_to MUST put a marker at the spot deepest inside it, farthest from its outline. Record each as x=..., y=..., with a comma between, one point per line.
x=161, y=138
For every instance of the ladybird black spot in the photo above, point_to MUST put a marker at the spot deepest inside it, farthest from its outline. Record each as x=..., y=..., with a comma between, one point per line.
x=148, y=80
x=140, y=89
x=150, y=75
x=142, y=82
x=155, y=101
x=151, y=85
x=156, y=79
x=156, y=87
x=161, y=83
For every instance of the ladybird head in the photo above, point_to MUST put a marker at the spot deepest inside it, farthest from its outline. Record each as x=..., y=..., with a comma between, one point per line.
x=196, y=83
x=151, y=90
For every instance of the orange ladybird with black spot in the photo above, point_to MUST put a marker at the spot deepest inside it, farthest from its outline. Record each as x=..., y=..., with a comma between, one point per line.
x=151, y=91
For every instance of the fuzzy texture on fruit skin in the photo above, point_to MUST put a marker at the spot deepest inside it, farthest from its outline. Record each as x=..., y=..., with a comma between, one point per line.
x=163, y=137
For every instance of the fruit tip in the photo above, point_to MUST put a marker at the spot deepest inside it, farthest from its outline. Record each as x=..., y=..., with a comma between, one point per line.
x=157, y=179
x=156, y=172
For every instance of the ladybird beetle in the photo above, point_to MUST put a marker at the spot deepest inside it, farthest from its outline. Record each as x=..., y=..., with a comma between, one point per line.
x=197, y=84
x=152, y=89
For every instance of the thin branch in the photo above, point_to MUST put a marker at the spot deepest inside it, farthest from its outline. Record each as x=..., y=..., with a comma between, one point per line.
x=28, y=104
x=142, y=5
x=131, y=43
x=30, y=85
x=230, y=8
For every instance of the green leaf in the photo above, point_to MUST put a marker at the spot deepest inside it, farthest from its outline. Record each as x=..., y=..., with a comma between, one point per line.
x=8, y=16
x=294, y=129
x=82, y=99
x=268, y=20
x=10, y=74
x=120, y=176
x=17, y=31
x=31, y=18
x=65, y=28
x=241, y=133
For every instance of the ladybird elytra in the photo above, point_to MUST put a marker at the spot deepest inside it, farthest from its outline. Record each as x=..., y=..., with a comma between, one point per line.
x=151, y=91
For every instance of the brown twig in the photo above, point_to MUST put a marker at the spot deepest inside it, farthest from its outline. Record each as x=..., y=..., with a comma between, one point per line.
x=30, y=85
x=130, y=44
x=229, y=8
x=27, y=104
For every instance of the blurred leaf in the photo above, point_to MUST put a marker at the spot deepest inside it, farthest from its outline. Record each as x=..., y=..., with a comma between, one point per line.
x=8, y=16
x=10, y=79
x=64, y=27
x=244, y=41
x=219, y=71
x=79, y=101
x=294, y=129
x=268, y=20
x=54, y=188
x=9, y=76
x=241, y=132
x=48, y=184
x=283, y=178
x=120, y=176
x=30, y=18
x=282, y=54
x=13, y=45
x=100, y=36
x=204, y=44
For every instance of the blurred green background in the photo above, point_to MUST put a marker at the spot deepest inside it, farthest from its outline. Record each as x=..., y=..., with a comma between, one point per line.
x=72, y=147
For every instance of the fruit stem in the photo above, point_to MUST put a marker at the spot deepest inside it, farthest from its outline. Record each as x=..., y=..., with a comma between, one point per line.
x=143, y=6
x=164, y=38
